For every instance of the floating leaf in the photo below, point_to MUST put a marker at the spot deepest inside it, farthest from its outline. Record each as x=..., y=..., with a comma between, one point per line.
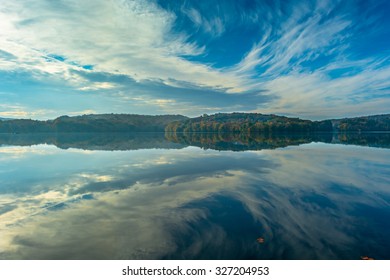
x=260, y=240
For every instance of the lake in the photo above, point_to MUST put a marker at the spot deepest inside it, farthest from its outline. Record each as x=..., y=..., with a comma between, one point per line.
x=200, y=196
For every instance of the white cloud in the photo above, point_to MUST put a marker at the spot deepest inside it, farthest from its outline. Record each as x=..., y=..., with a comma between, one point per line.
x=19, y=111
x=213, y=26
x=277, y=63
x=84, y=112
x=137, y=39
x=97, y=177
x=134, y=38
x=16, y=153
x=98, y=86
x=303, y=36
x=314, y=95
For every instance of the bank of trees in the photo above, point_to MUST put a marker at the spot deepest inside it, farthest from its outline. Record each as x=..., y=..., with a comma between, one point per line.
x=91, y=124
x=364, y=124
x=247, y=123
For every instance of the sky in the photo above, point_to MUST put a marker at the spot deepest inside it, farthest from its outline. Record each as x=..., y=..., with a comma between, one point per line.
x=309, y=59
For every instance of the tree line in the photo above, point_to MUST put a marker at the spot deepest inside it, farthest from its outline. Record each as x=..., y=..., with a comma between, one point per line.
x=247, y=123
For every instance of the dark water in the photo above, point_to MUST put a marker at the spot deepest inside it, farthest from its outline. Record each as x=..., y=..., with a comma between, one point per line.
x=195, y=196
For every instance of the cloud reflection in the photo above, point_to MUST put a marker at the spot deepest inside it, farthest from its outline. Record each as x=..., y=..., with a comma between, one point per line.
x=306, y=202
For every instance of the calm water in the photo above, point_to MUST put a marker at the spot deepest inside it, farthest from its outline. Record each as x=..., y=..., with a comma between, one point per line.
x=194, y=197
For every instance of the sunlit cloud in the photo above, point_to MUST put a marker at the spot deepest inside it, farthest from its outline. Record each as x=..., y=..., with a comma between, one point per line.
x=309, y=66
x=98, y=86
x=153, y=57
x=16, y=152
x=317, y=96
x=97, y=177
x=143, y=48
x=22, y=112
x=84, y=112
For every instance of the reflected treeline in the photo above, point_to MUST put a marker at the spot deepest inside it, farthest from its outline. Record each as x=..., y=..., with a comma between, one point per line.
x=215, y=141
x=242, y=142
x=92, y=141
x=380, y=140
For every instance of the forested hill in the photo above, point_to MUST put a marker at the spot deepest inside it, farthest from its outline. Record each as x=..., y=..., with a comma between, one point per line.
x=222, y=122
x=259, y=123
x=247, y=123
x=92, y=123
x=367, y=123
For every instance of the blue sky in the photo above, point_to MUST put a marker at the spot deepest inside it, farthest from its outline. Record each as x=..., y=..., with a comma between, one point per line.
x=311, y=59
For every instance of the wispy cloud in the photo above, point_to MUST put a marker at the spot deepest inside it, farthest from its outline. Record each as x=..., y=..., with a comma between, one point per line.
x=63, y=215
x=282, y=57
x=17, y=111
x=316, y=96
x=214, y=26
x=134, y=38
x=308, y=63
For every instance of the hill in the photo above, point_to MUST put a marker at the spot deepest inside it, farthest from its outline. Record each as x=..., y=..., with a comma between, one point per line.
x=114, y=123
x=259, y=123
x=92, y=123
x=247, y=123
x=361, y=124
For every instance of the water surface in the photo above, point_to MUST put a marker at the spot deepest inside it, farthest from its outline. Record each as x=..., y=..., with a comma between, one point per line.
x=194, y=197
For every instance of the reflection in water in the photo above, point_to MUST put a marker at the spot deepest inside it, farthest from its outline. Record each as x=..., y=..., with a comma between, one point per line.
x=92, y=141
x=244, y=142
x=380, y=140
x=215, y=141
x=313, y=201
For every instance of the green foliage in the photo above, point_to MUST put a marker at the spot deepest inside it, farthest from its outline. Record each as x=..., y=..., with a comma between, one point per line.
x=258, y=123
x=241, y=123
x=243, y=142
x=361, y=124
x=92, y=123
x=250, y=123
